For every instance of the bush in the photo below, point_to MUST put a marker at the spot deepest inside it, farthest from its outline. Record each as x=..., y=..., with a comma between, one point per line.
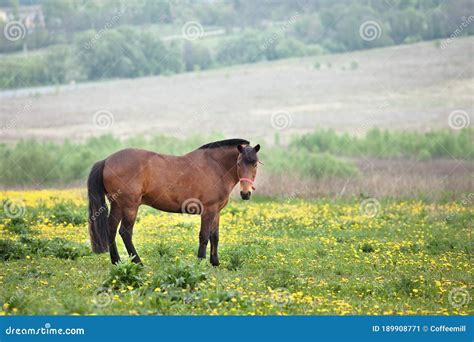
x=57, y=247
x=180, y=275
x=40, y=68
x=247, y=47
x=17, y=225
x=10, y=250
x=164, y=250
x=313, y=165
x=385, y=144
x=309, y=28
x=404, y=285
x=31, y=162
x=196, y=56
x=237, y=257
x=114, y=54
x=284, y=48
x=310, y=155
x=367, y=248
x=60, y=248
x=125, y=274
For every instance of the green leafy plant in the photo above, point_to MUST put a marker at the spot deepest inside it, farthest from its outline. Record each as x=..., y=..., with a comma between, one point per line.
x=27, y=246
x=181, y=275
x=124, y=274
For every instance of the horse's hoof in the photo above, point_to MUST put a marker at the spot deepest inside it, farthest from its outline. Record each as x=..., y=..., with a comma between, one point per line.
x=137, y=261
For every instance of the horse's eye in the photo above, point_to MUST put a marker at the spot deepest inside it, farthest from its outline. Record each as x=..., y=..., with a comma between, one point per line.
x=255, y=165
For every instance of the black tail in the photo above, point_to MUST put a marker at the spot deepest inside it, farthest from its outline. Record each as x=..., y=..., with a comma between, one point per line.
x=98, y=211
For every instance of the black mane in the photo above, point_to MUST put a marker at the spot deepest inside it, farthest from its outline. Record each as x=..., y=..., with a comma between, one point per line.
x=223, y=143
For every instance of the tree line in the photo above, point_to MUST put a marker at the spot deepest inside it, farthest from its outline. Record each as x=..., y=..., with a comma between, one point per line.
x=90, y=40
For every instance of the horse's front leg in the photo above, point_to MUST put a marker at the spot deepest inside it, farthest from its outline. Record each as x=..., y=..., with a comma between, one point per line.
x=208, y=229
x=203, y=235
x=214, y=236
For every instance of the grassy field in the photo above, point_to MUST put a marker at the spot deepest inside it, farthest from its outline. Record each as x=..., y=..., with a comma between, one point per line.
x=277, y=257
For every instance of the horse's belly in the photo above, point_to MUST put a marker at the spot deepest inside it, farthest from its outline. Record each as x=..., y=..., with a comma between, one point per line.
x=163, y=203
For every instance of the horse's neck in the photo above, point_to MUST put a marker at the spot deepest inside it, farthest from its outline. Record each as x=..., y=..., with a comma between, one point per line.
x=227, y=159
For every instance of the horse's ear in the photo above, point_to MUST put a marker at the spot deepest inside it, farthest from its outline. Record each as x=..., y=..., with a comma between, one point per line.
x=257, y=148
x=240, y=148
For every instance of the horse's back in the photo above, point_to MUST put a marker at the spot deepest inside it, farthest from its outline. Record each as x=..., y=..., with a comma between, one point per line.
x=128, y=160
x=164, y=182
x=142, y=176
x=125, y=170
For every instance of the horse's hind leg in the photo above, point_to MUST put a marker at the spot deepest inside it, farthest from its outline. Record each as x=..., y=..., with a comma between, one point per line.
x=126, y=231
x=112, y=224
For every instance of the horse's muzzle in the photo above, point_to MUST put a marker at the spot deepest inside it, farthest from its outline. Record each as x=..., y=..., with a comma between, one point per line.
x=245, y=195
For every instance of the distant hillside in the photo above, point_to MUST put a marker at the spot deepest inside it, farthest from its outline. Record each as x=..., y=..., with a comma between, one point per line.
x=413, y=86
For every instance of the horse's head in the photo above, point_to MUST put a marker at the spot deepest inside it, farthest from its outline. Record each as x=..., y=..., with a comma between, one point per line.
x=247, y=163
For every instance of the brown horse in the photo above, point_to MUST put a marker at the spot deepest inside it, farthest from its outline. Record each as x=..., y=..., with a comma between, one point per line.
x=199, y=182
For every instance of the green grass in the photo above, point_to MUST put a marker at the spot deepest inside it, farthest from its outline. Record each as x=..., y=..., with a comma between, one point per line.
x=321, y=257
